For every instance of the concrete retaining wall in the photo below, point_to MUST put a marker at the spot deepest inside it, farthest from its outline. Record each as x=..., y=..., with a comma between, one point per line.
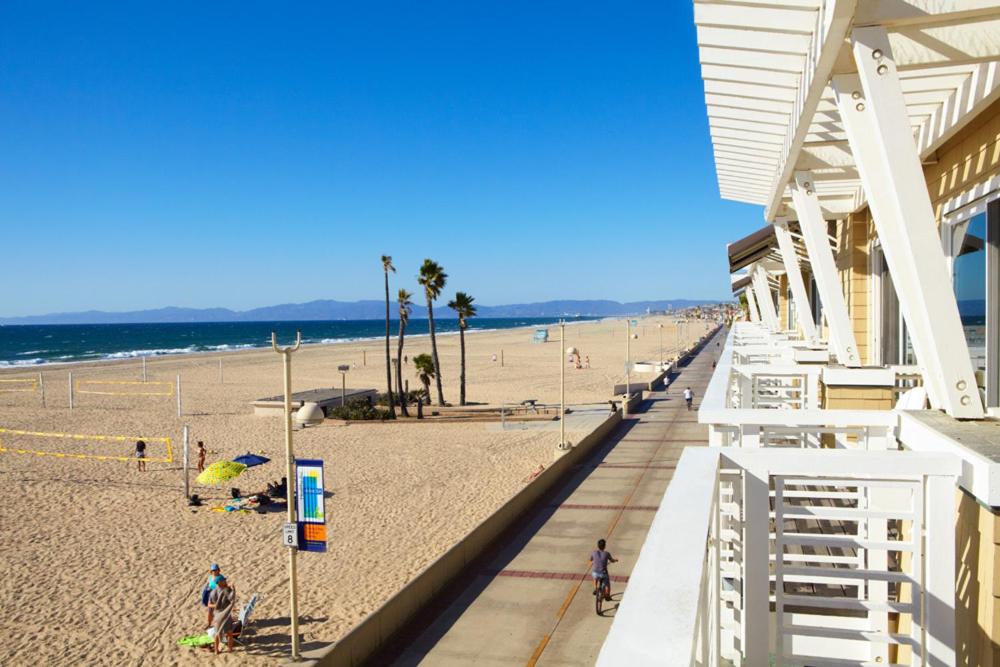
x=378, y=627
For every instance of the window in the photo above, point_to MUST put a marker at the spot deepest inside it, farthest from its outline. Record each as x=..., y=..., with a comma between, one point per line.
x=975, y=278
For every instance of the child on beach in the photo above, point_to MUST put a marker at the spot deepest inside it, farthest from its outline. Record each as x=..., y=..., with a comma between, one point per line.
x=201, y=456
x=140, y=455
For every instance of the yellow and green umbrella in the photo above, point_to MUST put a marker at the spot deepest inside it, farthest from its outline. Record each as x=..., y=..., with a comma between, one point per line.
x=220, y=472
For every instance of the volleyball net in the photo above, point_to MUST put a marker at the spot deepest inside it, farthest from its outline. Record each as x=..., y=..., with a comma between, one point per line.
x=18, y=385
x=123, y=388
x=84, y=446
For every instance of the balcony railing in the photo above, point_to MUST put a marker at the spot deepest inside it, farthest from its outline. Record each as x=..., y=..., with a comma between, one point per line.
x=813, y=558
x=803, y=536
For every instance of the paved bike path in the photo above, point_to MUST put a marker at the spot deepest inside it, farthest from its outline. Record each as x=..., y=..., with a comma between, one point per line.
x=531, y=604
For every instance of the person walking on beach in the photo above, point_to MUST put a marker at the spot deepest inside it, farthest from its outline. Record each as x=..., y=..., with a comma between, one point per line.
x=213, y=575
x=688, y=397
x=201, y=456
x=221, y=604
x=599, y=559
x=140, y=455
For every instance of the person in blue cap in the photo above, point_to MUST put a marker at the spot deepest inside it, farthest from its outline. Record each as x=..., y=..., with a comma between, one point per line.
x=214, y=573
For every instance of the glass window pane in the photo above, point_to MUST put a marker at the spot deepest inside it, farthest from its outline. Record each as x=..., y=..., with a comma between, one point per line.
x=970, y=291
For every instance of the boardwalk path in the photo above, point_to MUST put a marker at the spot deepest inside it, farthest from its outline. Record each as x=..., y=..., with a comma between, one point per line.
x=531, y=603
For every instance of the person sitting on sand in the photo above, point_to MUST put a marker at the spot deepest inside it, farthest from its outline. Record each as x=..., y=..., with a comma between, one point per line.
x=278, y=489
x=221, y=604
x=201, y=456
x=140, y=455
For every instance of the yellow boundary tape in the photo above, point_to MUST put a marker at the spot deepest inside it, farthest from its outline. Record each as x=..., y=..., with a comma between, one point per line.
x=32, y=381
x=78, y=436
x=169, y=385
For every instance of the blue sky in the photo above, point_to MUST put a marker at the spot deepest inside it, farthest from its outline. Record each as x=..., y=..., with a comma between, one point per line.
x=242, y=154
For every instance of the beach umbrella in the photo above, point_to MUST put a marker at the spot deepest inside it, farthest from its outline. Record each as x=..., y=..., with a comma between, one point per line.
x=220, y=472
x=251, y=460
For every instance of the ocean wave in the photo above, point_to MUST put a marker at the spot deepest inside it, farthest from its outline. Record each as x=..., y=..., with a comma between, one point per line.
x=22, y=362
x=132, y=354
x=24, y=354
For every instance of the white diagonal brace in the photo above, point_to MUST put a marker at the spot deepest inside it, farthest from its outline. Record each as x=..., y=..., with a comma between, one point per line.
x=751, y=303
x=765, y=302
x=824, y=270
x=874, y=115
x=790, y=258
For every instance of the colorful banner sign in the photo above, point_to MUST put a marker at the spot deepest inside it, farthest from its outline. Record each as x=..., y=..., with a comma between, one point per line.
x=310, y=504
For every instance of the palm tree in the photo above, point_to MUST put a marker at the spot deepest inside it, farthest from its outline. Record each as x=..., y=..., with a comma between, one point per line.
x=425, y=371
x=387, y=267
x=432, y=277
x=462, y=304
x=405, y=304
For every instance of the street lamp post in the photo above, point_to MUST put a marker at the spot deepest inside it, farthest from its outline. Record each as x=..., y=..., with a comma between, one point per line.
x=562, y=385
x=660, y=327
x=628, y=357
x=293, y=579
x=343, y=368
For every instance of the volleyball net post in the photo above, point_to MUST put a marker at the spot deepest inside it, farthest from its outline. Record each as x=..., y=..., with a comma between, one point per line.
x=71, y=390
x=41, y=388
x=186, y=458
x=179, y=410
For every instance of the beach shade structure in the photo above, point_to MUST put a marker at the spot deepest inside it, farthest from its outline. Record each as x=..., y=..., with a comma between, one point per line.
x=220, y=472
x=251, y=460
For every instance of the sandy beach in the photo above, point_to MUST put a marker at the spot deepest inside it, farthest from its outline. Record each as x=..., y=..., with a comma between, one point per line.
x=103, y=564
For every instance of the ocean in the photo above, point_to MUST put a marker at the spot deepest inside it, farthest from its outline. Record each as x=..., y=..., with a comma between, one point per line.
x=32, y=345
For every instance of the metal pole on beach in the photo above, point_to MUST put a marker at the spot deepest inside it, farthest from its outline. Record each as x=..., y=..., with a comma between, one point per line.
x=143, y=368
x=221, y=377
x=343, y=368
x=628, y=356
x=187, y=482
x=179, y=412
x=660, y=327
x=562, y=385
x=293, y=579
x=71, y=390
x=41, y=388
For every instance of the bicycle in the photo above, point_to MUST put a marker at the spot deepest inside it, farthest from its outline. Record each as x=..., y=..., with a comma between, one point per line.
x=602, y=592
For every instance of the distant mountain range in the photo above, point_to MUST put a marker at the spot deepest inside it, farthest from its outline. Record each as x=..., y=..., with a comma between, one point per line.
x=350, y=310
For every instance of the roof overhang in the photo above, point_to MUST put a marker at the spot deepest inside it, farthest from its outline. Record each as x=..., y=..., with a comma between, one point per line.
x=767, y=65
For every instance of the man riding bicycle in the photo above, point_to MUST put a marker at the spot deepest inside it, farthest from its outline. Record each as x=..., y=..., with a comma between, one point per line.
x=599, y=560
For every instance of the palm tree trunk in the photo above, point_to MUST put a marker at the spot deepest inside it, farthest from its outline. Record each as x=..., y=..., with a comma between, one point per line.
x=434, y=353
x=388, y=369
x=461, y=377
x=399, y=370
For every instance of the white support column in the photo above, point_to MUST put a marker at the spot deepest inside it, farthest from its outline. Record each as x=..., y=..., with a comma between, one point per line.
x=795, y=283
x=765, y=302
x=751, y=304
x=824, y=269
x=756, y=568
x=939, y=571
x=878, y=130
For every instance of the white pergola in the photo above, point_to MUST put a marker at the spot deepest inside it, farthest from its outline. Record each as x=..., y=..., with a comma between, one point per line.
x=818, y=108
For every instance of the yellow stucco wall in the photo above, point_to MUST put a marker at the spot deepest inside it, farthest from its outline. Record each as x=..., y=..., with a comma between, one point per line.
x=971, y=156
x=977, y=583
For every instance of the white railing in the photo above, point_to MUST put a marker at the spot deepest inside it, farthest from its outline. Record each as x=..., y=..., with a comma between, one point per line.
x=754, y=403
x=745, y=531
